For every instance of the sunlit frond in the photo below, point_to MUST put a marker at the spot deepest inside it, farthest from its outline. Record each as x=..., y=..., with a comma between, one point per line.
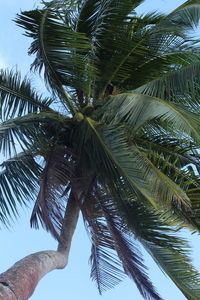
x=127, y=167
x=169, y=251
x=180, y=149
x=136, y=109
x=148, y=179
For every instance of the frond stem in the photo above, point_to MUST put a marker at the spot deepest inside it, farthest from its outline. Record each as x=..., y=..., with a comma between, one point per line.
x=60, y=87
x=68, y=101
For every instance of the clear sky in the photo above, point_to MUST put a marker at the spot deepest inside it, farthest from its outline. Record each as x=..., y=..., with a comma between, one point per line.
x=20, y=240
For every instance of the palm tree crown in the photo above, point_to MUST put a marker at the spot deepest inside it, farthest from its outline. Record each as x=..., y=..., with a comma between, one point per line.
x=119, y=135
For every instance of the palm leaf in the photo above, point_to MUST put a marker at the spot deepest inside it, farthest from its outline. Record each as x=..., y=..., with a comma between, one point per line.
x=17, y=97
x=98, y=18
x=102, y=270
x=23, y=132
x=186, y=16
x=182, y=83
x=19, y=178
x=106, y=268
x=114, y=161
x=61, y=51
x=56, y=176
x=116, y=34
x=174, y=165
x=188, y=182
x=156, y=176
x=136, y=109
x=181, y=149
x=168, y=250
x=127, y=50
x=178, y=267
x=181, y=166
x=175, y=28
x=157, y=63
x=127, y=252
x=141, y=173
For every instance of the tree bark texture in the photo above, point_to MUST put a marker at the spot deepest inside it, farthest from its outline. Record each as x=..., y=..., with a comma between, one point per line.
x=19, y=282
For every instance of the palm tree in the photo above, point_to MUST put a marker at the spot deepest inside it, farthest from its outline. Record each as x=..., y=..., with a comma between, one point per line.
x=117, y=140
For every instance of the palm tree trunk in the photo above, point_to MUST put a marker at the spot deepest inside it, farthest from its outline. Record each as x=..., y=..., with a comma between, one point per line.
x=19, y=282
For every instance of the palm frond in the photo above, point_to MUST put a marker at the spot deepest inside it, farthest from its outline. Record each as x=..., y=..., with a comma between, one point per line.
x=106, y=269
x=174, y=30
x=186, y=16
x=139, y=172
x=67, y=10
x=23, y=132
x=117, y=60
x=179, y=84
x=95, y=154
x=155, y=65
x=56, y=176
x=179, y=161
x=136, y=109
x=103, y=270
x=155, y=174
x=19, y=182
x=188, y=182
x=17, y=97
x=167, y=145
x=127, y=252
x=178, y=267
x=99, y=18
x=61, y=52
x=168, y=250
x=118, y=38
x=116, y=165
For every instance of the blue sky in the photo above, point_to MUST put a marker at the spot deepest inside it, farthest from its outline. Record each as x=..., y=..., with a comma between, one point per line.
x=20, y=240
